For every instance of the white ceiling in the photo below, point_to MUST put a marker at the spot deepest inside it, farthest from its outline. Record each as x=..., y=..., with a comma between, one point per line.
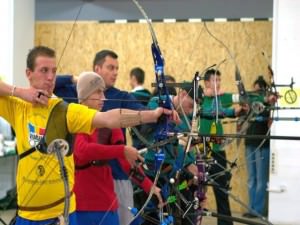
x=156, y=9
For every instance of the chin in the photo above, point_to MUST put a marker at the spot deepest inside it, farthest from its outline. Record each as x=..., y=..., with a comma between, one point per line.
x=50, y=91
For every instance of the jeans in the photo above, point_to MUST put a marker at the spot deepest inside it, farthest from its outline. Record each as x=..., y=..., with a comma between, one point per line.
x=258, y=175
x=97, y=217
x=22, y=221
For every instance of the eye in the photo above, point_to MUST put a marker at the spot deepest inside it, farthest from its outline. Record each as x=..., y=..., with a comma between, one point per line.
x=110, y=67
x=44, y=70
x=100, y=93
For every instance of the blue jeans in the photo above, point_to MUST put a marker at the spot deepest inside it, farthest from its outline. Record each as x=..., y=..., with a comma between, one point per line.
x=22, y=221
x=258, y=176
x=97, y=218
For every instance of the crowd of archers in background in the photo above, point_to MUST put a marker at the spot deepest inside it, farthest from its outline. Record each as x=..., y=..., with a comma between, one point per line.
x=106, y=65
x=105, y=166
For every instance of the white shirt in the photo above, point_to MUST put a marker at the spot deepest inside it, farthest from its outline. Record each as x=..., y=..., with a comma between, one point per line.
x=138, y=88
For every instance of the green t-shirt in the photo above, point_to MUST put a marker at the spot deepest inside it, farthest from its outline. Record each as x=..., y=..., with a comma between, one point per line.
x=209, y=107
x=208, y=123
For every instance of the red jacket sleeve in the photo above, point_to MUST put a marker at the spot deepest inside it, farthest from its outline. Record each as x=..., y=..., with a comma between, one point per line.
x=145, y=184
x=117, y=137
x=87, y=149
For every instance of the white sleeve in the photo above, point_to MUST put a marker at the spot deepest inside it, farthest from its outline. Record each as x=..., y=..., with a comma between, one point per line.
x=235, y=98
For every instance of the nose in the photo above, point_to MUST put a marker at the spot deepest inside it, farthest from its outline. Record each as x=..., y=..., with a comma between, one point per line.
x=51, y=75
x=115, y=70
x=115, y=73
x=102, y=97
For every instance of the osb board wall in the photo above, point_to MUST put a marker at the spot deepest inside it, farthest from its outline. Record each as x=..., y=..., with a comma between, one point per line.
x=187, y=48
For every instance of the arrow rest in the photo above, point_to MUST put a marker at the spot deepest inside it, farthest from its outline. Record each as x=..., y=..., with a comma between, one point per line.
x=60, y=145
x=257, y=107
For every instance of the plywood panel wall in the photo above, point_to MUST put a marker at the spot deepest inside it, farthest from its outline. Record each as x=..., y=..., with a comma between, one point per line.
x=187, y=48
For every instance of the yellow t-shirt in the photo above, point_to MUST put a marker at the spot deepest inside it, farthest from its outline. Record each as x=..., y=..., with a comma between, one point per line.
x=39, y=180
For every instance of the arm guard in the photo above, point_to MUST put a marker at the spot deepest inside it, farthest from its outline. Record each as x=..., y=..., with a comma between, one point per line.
x=130, y=119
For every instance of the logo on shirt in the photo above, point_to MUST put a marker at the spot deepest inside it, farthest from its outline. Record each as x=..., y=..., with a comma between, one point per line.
x=40, y=170
x=35, y=134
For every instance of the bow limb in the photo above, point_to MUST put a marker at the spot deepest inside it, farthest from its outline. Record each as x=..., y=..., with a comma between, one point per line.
x=59, y=146
x=272, y=84
x=201, y=164
x=158, y=61
x=164, y=101
x=70, y=33
x=55, y=142
x=272, y=89
x=194, y=125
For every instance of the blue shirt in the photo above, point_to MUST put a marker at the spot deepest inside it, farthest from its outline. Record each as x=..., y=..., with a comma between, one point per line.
x=65, y=88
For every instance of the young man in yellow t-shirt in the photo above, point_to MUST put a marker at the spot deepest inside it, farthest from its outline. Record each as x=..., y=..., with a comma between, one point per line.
x=40, y=188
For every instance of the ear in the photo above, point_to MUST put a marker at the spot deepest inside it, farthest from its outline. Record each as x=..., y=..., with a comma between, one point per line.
x=28, y=74
x=97, y=68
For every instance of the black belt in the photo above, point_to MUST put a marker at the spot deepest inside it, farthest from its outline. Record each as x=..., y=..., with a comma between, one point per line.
x=92, y=163
x=26, y=153
x=43, y=207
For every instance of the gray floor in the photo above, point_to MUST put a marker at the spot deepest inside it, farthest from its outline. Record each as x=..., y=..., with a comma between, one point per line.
x=213, y=221
x=7, y=215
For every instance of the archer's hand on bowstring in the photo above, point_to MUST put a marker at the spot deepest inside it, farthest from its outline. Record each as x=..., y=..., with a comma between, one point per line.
x=32, y=95
x=157, y=193
x=132, y=155
x=241, y=110
x=272, y=98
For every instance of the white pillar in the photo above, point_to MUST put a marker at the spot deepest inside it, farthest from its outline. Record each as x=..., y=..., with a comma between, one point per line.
x=284, y=197
x=17, y=20
x=6, y=40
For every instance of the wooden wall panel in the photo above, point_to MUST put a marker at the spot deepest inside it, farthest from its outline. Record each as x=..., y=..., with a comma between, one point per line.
x=187, y=48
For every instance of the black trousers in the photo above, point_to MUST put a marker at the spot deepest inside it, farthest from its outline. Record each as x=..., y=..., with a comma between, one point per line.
x=221, y=181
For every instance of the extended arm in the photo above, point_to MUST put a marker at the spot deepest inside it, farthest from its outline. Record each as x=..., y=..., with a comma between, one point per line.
x=128, y=118
x=86, y=151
